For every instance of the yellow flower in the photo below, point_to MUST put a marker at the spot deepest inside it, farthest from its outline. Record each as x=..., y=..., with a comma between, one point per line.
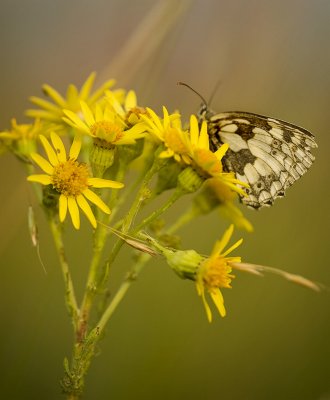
x=105, y=126
x=52, y=111
x=215, y=273
x=217, y=195
x=21, y=139
x=128, y=108
x=207, y=163
x=168, y=130
x=71, y=179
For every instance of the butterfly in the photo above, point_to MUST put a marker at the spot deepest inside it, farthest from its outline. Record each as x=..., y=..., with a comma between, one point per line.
x=266, y=153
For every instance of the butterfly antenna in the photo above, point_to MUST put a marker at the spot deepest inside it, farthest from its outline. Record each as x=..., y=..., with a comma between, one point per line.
x=198, y=94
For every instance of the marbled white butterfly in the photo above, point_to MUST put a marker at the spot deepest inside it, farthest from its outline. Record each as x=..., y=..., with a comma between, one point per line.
x=267, y=153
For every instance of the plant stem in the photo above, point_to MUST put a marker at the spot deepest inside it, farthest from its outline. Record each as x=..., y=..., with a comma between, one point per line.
x=70, y=297
x=157, y=213
x=130, y=278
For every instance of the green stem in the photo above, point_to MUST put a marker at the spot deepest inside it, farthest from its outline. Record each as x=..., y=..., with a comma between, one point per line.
x=93, y=283
x=157, y=213
x=70, y=297
x=130, y=278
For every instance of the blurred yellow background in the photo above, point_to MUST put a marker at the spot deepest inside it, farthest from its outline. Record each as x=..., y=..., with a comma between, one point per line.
x=272, y=58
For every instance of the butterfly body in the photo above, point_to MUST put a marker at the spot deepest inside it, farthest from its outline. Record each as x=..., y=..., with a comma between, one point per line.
x=267, y=153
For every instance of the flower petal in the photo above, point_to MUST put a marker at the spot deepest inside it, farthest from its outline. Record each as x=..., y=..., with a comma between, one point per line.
x=74, y=121
x=74, y=212
x=203, y=141
x=221, y=151
x=222, y=243
x=232, y=248
x=52, y=157
x=95, y=199
x=130, y=101
x=88, y=115
x=75, y=147
x=59, y=147
x=194, y=131
x=42, y=178
x=201, y=292
x=53, y=94
x=87, y=86
x=42, y=163
x=63, y=207
x=166, y=118
x=104, y=183
x=218, y=301
x=82, y=203
x=155, y=119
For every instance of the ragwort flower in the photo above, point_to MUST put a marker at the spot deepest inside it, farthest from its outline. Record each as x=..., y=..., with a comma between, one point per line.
x=168, y=130
x=52, y=111
x=215, y=273
x=105, y=126
x=207, y=163
x=21, y=138
x=128, y=108
x=71, y=179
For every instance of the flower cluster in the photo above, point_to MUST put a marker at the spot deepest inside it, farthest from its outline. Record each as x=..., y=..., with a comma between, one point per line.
x=90, y=139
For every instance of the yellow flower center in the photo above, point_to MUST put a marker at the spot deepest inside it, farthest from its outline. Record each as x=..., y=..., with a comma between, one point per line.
x=174, y=141
x=106, y=130
x=70, y=178
x=207, y=161
x=215, y=273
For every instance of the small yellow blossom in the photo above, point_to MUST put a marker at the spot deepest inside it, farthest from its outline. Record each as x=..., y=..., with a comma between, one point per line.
x=105, y=126
x=207, y=163
x=168, y=130
x=215, y=273
x=52, y=111
x=71, y=179
x=21, y=139
x=217, y=195
x=128, y=108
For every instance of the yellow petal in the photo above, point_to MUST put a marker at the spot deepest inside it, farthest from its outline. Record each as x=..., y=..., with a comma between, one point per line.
x=221, y=151
x=46, y=105
x=82, y=203
x=74, y=121
x=95, y=199
x=75, y=147
x=63, y=207
x=43, y=179
x=59, y=147
x=104, y=183
x=194, y=131
x=74, y=212
x=218, y=301
x=155, y=119
x=42, y=163
x=88, y=115
x=72, y=96
x=203, y=141
x=232, y=248
x=222, y=243
x=87, y=86
x=166, y=118
x=206, y=306
x=52, y=93
x=52, y=157
x=130, y=101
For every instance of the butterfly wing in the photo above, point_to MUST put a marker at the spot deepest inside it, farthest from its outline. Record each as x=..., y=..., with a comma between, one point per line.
x=267, y=153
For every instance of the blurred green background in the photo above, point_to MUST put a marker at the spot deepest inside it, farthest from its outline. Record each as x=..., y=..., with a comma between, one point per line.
x=273, y=58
